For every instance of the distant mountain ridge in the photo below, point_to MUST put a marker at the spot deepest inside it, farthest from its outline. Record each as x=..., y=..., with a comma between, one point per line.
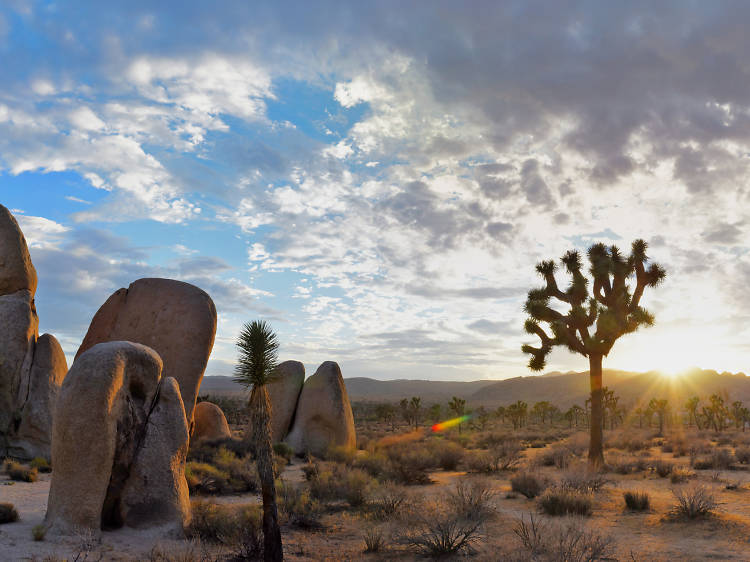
x=561, y=389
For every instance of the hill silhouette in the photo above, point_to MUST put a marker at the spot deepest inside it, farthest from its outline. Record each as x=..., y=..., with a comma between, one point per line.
x=561, y=389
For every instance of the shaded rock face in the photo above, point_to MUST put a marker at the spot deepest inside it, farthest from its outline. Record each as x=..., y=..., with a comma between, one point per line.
x=283, y=393
x=324, y=415
x=31, y=368
x=176, y=319
x=119, y=443
x=210, y=423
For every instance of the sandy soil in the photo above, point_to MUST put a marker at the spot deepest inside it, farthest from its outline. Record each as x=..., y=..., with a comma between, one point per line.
x=651, y=535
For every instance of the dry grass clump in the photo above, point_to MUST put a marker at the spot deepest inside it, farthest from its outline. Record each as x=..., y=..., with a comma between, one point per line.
x=680, y=474
x=472, y=500
x=238, y=528
x=435, y=532
x=717, y=459
x=342, y=483
x=560, y=500
x=742, y=454
x=528, y=484
x=663, y=468
x=8, y=513
x=388, y=502
x=20, y=473
x=225, y=474
x=636, y=501
x=570, y=542
x=583, y=480
x=694, y=502
x=374, y=539
x=297, y=507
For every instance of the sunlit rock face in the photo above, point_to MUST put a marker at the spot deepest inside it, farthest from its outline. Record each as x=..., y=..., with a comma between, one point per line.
x=119, y=445
x=210, y=423
x=176, y=319
x=31, y=367
x=324, y=415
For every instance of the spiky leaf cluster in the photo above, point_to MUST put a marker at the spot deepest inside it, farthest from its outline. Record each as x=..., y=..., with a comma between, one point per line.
x=258, y=354
x=610, y=310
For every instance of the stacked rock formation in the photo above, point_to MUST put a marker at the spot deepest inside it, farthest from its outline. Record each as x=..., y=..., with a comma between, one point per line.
x=323, y=417
x=210, y=423
x=31, y=367
x=176, y=319
x=119, y=445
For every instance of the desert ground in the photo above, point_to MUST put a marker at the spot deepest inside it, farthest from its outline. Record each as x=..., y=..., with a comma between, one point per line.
x=404, y=489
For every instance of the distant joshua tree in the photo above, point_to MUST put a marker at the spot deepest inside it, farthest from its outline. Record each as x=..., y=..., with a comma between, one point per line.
x=692, y=409
x=457, y=406
x=256, y=367
x=661, y=407
x=611, y=309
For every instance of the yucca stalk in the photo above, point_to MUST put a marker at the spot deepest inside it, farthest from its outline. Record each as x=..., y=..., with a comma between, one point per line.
x=611, y=309
x=256, y=367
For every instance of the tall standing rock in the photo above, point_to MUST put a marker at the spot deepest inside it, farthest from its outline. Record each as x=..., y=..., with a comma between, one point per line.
x=324, y=415
x=284, y=392
x=176, y=319
x=30, y=370
x=119, y=444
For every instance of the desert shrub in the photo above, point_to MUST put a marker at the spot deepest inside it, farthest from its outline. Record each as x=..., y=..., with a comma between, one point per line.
x=558, y=456
x=342, y=483
x=505, y=453
x=528, y=484
x=560, y=500
x=632, y=442
x=283, y=450
x=297, y=506
x=479, y=461
x=343, y=455
x=20, y=473
x=446, y=454
x=388, y=501
x=38, y=532
x=204, y=451
x=375, y=464
x=441, y=534
x=663, y=469
x=637, y=501
x=311, y=469
x=226, y=474
x=680, y=475
x=41, y=464
x=693, y=502
x=8, y=513
x=409, y=463
x=472, y=500
x=565, y=543
x=718, y=459
x=235, y=527
x=742, y=454
x=584, y=480
x=374, y=539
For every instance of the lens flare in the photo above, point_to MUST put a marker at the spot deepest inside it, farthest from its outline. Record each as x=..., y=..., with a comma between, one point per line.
x=442, y=426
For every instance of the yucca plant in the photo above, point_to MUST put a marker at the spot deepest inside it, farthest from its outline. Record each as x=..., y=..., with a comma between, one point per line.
x=256, y=367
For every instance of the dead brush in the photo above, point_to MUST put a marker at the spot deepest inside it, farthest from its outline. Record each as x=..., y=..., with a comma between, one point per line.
x=472, y=500
x=434, y=530
x=693, y=503
x=561, y=543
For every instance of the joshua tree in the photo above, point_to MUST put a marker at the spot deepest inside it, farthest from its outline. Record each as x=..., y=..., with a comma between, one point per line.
x=517, y=413
x=415, y=405
x=256, y=367
x=738, y=414
x=435, y=412
x=661, y=407
x=611, y=310
x=457, y=406
x=692, y=409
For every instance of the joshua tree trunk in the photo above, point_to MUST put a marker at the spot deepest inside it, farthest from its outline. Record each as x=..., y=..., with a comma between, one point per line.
x=596, y=452
x=261, y=419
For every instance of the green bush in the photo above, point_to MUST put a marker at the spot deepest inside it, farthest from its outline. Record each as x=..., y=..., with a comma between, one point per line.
x=344, y=455
x=409, y=463
x=41, y=464
x=637, y=501
x=297, y=506
x=446, y=454
x=20, y=473
x=342, y=483
x=236, y=527
x=38, y=532
x=565, y=501
x=8, y=513
x=226, y=474
x=283, y=450
x=376, y=464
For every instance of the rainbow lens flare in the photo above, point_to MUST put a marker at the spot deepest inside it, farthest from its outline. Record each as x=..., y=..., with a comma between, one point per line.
x=442, y=426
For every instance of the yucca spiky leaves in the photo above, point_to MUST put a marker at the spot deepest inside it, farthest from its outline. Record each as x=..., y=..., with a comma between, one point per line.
x=258, y=354
x=611, y=308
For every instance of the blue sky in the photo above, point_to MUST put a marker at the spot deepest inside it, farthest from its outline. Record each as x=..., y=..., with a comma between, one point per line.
x=378, y=180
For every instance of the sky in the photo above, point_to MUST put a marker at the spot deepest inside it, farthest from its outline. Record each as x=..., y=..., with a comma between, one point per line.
x=378, y=179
